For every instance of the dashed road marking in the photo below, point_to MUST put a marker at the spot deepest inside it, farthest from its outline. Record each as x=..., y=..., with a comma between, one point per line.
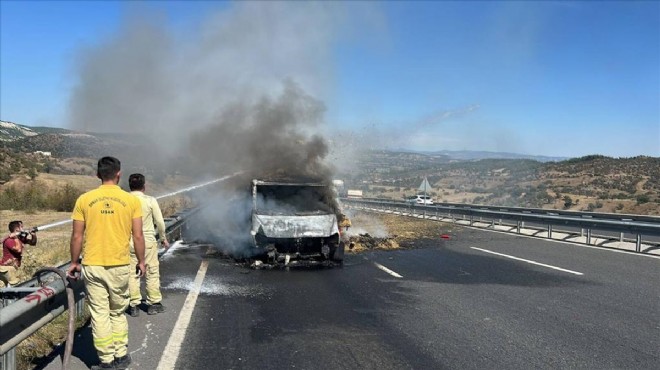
x=529, y=261
x=171, y=352
x=387, y=270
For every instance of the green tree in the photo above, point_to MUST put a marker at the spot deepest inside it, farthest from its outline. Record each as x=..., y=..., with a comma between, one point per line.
x=644, y=198
x=64, y=199
x=5, y=175
x=15, y=166
x=48, y=166
x=568, y=201
x=32, y=173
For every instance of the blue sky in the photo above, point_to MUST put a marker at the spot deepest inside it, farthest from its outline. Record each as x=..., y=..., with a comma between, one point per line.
x=548, y=78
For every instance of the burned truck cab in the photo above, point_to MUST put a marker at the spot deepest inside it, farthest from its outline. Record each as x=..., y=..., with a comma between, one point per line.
x=295, y=221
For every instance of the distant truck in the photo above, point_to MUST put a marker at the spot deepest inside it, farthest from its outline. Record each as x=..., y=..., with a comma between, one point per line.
x=294, y=221
x=354, y=194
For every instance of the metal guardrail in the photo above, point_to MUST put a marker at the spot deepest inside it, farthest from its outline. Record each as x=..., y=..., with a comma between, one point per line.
x=21, y=315
x=539, y=211
x=632, y=224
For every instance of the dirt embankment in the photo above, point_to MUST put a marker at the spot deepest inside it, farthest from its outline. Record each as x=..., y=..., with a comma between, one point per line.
x=371, y=231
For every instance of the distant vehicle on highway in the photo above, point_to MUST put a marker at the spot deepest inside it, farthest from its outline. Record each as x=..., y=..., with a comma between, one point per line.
x=420, y=199
x=352, y=193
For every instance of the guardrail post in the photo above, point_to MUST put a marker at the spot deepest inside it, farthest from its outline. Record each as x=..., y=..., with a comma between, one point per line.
x=549, y=231
x=471, y=220
x=8, y=360
x=621, y=237
x=638, y=243
x=588, y=236
x=582, y=232
x=518, y=226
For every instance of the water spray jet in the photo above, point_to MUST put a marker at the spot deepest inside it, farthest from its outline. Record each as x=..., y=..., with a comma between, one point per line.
x=184, y=190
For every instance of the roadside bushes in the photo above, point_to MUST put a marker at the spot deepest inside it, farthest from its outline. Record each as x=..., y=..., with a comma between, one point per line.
x=63, y=200
x=643, y=198
x=36, y=196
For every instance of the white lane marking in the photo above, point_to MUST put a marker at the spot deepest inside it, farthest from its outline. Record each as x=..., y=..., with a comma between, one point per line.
x=387, y=270
x=173, y=347
x=529, y=261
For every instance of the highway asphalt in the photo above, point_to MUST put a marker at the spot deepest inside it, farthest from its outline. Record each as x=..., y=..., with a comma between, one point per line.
x=480, y=300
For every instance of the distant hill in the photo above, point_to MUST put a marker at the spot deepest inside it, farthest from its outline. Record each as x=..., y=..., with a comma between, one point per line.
x=27, y=151
x=50, y=130
x=10, y=131
x=472, y=155
x=594, y=183
x=591, y=183
x=61, y=145
x=64, y=143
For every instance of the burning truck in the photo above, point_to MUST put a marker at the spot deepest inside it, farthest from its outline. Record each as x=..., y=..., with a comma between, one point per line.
x=294, y=222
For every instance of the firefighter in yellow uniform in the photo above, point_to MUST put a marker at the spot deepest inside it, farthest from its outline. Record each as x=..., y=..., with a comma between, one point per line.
x=151, y=215
x=105, y=219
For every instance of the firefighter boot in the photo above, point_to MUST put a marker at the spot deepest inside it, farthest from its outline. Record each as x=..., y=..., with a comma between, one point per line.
x=155, y=308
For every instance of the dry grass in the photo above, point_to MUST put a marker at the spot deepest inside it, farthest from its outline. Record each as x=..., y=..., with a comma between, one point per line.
x=89, y=182
x=363, y=243
x=385, y=232
x=51, y=181
x=173, y=204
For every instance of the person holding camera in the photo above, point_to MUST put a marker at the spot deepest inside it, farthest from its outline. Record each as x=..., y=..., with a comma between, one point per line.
x=27, y=237
x=12, y=252
x=106, y=219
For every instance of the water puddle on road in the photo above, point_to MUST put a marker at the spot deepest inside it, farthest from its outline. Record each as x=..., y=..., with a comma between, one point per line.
x=215, y=286
x=179, y=248
x=212, y=285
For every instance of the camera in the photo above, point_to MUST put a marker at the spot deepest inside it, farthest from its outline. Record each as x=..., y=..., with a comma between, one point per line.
x=24, y=234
